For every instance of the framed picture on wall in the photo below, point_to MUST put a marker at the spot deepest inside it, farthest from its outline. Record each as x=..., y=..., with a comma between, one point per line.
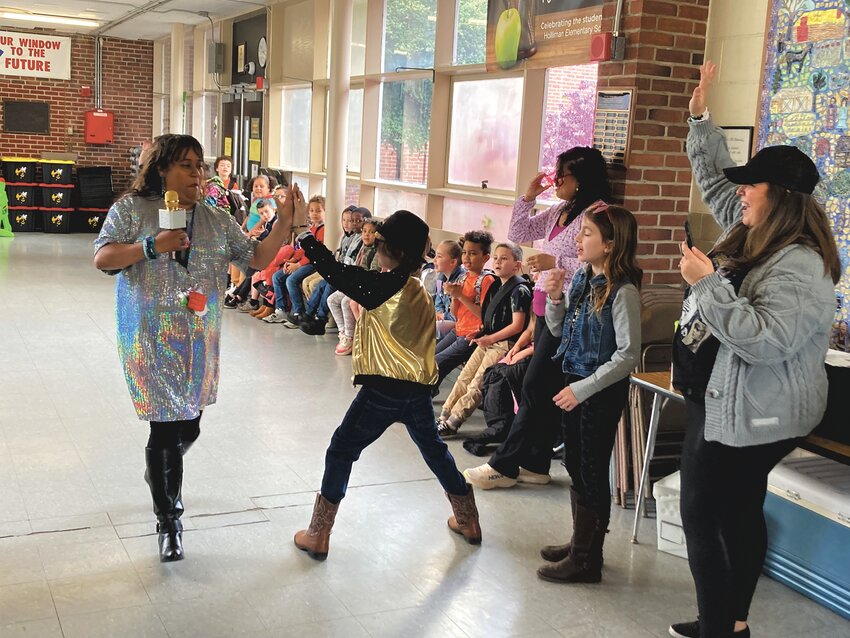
x=240, y=57
x=739, y=139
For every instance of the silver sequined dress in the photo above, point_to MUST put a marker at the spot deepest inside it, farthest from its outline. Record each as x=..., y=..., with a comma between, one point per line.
x=170, y=355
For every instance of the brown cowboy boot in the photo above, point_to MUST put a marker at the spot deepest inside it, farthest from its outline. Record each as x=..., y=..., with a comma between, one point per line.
x=584, y=564
x=465, y=519
x=315, y=540
x=555, y=553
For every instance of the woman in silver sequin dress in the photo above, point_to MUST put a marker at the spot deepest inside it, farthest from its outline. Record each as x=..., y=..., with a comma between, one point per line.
x=168, y=340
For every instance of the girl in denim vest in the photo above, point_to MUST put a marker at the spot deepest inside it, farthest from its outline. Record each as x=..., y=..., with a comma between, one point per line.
x=599, y=324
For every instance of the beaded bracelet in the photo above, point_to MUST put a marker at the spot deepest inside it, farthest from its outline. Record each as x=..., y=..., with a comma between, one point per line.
x=149, y=247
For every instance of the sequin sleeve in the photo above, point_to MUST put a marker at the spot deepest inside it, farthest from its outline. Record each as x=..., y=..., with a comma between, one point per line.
x=122, y=226
x=240, y=247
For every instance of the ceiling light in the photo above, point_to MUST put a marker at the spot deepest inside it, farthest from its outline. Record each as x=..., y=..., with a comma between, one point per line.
x=40, y=17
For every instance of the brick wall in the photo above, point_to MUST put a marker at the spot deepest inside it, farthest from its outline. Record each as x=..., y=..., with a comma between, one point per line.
x=127, y=90
x=665, y=46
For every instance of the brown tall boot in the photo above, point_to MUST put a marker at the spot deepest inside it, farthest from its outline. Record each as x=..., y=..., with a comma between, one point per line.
x=315, y=540
x=555, y=553
x=465, y=519
x=584, y=564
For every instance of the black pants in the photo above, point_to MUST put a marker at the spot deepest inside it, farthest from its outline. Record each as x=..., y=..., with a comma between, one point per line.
x=589, y=433
x=535, y=426
x=243, y=291
x=501, y=383
x=722, y=500
x=171, y=434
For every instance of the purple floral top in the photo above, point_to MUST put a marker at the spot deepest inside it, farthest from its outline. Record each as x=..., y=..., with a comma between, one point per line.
x=526, y=227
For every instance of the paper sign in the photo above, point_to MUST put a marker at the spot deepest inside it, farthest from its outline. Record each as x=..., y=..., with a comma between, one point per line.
x=35, y=55
x=255, y=148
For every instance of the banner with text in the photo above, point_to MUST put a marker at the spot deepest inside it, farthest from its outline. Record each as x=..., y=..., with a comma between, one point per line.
x=35, y=55
x=540, y=33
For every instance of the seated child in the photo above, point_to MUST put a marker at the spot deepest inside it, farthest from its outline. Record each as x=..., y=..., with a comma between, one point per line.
x=394, y=365
x=449, y=269
x=505, y=308
x=466, y=293
x=340, y=303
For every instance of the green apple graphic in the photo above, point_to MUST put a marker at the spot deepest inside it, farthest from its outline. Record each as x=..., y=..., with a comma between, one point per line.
x=506, y=42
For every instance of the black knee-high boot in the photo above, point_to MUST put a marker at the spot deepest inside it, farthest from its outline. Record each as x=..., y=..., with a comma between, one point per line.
x=165, y=478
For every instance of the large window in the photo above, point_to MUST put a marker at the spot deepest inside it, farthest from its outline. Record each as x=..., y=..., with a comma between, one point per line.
x=405, y=125
x=460, y=215
x=355, y=129
x=568, y=114
x=209, y=135
x=388, y=201
x=352, y=193
x=486, y=117
x=358, y=38
x=295, y=128
x=471, y=32
x=409, y=29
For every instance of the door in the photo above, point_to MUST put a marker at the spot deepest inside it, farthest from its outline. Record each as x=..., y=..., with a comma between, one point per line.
x=242, y=126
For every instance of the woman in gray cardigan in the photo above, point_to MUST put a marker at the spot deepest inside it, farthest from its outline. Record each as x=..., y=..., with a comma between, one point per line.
x=748, y=356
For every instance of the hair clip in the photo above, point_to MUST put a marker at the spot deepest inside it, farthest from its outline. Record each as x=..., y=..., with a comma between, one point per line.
x=597, y=207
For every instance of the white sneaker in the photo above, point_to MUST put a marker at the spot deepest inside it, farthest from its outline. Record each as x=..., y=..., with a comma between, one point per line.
x=245, y=306
x=278, y=316
x=486, y=478
x=534, y=478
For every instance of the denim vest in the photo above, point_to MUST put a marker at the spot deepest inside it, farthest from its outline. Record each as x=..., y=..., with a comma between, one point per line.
x=587, y=338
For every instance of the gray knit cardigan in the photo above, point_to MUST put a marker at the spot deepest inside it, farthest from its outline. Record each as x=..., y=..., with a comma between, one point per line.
x=769, y=381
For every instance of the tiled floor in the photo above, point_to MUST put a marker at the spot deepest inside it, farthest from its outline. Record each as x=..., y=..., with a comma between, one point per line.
x=77, y=554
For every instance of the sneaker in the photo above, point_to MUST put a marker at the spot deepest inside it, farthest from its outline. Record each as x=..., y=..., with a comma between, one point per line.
x=294, y=317
x=315, y=326
x=231, y=302
x=246, y=306
x=278, y=316
x=534, y=478
x=691, y=630
x=345, y=346
x=486, y=478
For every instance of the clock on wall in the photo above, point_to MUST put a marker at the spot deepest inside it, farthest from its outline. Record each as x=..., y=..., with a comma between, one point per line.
x=262, y=52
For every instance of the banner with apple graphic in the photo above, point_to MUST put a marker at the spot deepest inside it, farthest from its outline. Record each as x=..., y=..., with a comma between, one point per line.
x=540, y=33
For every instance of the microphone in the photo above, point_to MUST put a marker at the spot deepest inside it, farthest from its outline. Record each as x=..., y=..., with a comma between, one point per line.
x=172, y=217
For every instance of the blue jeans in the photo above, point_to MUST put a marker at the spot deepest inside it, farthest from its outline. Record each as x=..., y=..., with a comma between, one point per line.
x=279, y=283
x=293, y=287
x=451, y=352
x=369, y=415
x=318, y=303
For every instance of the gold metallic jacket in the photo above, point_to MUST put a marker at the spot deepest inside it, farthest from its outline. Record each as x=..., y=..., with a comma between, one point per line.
x=397, y=339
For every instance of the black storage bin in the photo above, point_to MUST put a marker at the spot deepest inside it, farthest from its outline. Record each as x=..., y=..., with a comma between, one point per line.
x=88, y=220
x=57, y=220
x=56, y=196
x=56, y=171
x=95, y=186
x=22, y=219
x=19, y=169
x=21, y=194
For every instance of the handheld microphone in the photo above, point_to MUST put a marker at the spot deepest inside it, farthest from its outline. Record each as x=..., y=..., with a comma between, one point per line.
x=172, y=217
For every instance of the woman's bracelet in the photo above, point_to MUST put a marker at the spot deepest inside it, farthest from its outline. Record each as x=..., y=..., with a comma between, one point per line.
x=149, y=247
x=554, y=302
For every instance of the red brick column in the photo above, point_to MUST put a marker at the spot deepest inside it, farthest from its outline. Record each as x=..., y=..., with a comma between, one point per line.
x=665, y=44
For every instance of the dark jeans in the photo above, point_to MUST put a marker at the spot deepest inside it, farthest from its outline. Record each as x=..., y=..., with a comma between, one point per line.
x=171, y=434
x=368, y=417
x=243, y=291
x=589, y=432
x=535, y=426
x=722, y=500
x=451, y=352
x=317, y=305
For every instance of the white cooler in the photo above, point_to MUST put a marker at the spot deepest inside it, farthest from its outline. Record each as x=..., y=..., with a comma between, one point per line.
x=668, y=519
x=807, y=510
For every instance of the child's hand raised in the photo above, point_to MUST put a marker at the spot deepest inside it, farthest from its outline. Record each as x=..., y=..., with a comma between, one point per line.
x=554, y=285
x=453, y=289
x=566, y=399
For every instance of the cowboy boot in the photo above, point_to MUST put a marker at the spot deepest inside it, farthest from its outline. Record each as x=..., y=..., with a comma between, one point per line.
x=315, y=540
x=584, y=564
x=165, y=478
x=465, y=519
x=555, y=553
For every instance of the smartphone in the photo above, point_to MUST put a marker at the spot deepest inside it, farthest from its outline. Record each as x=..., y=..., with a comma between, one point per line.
x=688, y=237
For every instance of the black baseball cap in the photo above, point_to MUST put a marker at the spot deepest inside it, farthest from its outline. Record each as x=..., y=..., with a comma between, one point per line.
x=785, y=166
x=405, y=230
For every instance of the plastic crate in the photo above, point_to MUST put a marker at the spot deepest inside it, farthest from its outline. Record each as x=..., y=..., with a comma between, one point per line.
x=57, y=220
x=88, y=220
x=19, y=169
x=22, y=219
x=21, y=194
x=56, y=171
x=668, y=518
x=56, y=196
x=95, y=186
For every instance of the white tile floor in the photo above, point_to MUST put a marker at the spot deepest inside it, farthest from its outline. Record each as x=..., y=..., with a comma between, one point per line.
x=77, y=554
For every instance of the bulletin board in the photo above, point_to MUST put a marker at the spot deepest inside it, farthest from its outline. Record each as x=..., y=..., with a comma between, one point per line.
x=805, y=92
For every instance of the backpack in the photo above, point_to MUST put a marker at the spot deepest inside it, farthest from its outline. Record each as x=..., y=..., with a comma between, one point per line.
x=478, y=282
